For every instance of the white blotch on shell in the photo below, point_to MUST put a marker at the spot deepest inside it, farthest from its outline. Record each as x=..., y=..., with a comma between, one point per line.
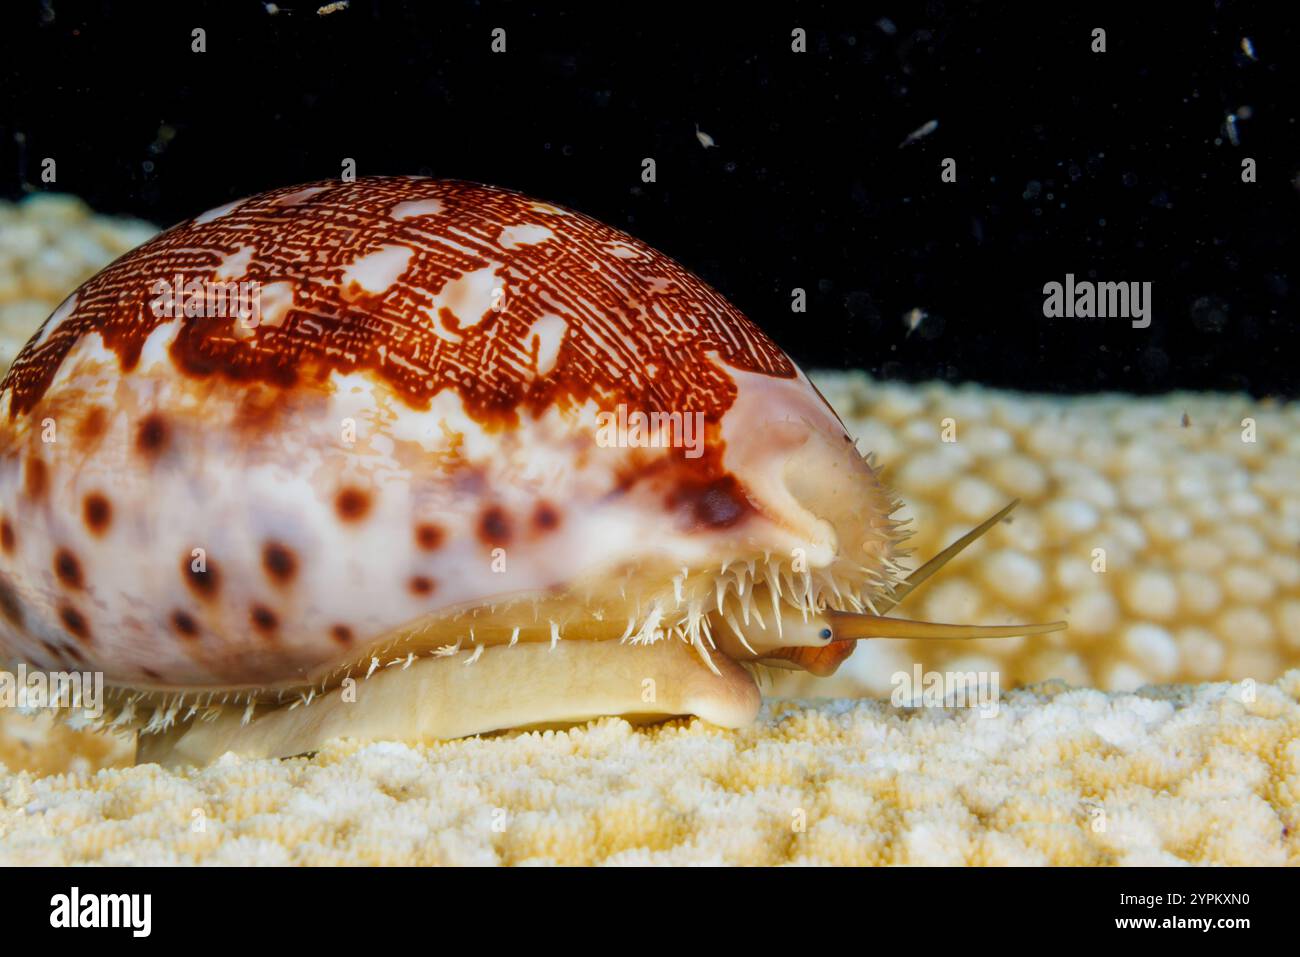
x=276, y=299
x=57, y=318
x=375, y=272
x=547, y=335
x=525, y=234
x=469, y=296
x=416, y=208
x=216, y=213
x=234, y=266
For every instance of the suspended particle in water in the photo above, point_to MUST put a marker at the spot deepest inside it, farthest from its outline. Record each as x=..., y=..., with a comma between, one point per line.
x=919, y=133
x=1230, y=127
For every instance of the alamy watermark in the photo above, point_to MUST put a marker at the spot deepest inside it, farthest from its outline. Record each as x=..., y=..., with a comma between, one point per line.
x=652, y=430
x=1098, y=300
x=133, y=912
x=207, y=299
x=71, y=690
x=947, y=689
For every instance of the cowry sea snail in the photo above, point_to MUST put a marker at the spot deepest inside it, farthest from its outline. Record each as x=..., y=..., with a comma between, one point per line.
x=406, y=458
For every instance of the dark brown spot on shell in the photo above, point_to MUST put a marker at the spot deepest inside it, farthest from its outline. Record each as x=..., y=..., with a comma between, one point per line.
x=75, y=622
x=10, y=606
x=151, y=674
x=421, y=585
x=720, y=503
x=264, y=620
x=204, y=583
x=98, y=511
x=280, y=562
x=494, y=526
x=352, y=504
x=8, y=541
x=545, y=517
x=185, y=624
x=428, y=536
x=68, y=569
x=342, y=634
x=36, y=479
x=93, y=424
x=152, y=436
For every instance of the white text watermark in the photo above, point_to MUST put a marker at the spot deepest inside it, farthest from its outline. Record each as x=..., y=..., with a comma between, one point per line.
x=1098, y=300
x=946, y=689
x=71, y=690
x=653, y=430
x=207, y=299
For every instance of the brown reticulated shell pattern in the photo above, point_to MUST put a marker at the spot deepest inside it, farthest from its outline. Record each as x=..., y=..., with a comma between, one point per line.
x=368, y=264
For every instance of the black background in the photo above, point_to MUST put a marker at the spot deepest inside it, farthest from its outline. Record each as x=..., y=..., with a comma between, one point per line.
x=227, y=907
x=1114, y=166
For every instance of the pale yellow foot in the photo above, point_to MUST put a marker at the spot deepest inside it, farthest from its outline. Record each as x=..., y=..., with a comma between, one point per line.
x=529, y=685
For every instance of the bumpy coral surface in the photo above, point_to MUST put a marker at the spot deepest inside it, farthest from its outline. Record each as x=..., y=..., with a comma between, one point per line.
x=1166, y=531
x=1207, y=774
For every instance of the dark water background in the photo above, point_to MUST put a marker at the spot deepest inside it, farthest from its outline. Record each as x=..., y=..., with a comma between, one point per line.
x=1113, y=166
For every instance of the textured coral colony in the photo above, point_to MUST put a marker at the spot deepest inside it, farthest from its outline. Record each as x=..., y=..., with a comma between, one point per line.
x=1164, y=529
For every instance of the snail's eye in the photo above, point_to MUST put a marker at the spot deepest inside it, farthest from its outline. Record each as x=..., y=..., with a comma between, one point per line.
x=825, y=634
